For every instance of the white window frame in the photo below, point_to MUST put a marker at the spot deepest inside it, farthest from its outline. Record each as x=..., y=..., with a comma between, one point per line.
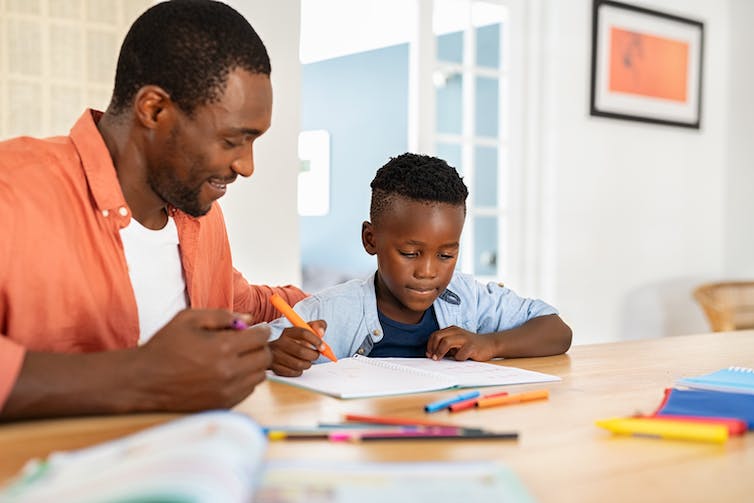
x=519, y=210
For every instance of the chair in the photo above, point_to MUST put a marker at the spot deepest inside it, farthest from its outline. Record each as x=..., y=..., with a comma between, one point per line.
x=728, y=305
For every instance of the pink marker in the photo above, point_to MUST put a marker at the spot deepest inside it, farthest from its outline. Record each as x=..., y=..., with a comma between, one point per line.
x=238, y=324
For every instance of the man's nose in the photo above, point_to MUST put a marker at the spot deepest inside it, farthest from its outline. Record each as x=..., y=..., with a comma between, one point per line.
x=244, y=165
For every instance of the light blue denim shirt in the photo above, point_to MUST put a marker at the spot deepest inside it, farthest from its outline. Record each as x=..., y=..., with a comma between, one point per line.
x=350, y=310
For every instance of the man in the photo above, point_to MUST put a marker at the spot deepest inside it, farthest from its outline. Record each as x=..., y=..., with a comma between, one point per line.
x=111, y=233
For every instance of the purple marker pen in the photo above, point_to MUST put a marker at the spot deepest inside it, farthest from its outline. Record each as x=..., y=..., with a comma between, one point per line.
x=238, y=324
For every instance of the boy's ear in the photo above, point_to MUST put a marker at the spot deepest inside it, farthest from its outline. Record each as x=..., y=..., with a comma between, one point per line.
x=367, y=238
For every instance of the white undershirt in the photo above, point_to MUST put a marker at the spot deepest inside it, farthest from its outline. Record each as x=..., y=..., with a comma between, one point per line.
x=154, y=265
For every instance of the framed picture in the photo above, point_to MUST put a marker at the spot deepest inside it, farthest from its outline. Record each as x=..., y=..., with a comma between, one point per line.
x=646, y=65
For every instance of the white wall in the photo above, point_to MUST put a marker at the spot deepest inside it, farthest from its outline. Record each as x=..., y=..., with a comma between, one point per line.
x=261, y=212
x=641, y=213
x=638, y=209
x=739, y=208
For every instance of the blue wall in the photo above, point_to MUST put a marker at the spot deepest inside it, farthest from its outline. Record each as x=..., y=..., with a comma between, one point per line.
x=362, y=101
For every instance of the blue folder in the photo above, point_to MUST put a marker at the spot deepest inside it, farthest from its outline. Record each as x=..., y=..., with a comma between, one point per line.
x=733, y=379
x=707, y=403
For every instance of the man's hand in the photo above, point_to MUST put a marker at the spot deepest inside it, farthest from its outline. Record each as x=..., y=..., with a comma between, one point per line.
x=461, y=345
x=197, y=361
x=296, y=349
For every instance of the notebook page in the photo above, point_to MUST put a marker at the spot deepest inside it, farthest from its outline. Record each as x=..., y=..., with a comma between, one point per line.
x=360, y=376
x=471, y=374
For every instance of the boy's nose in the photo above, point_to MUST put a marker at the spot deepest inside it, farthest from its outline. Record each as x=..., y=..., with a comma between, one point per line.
x=426, y=269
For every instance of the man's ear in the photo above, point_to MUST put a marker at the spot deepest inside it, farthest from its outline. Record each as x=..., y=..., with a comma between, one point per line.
x=367, y=238
x=152, y=106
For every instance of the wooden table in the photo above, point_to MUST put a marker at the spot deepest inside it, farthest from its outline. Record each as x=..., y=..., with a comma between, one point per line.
x=560, y=456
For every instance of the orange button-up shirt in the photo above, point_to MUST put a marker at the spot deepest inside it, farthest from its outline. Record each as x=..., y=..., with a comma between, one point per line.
x=64, y=283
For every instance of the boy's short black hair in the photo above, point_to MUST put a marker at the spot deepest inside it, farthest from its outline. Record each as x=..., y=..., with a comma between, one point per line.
x=188, y=48
x=418, y=177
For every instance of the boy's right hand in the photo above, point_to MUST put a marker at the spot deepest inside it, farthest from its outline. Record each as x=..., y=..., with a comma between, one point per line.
x=296, y=349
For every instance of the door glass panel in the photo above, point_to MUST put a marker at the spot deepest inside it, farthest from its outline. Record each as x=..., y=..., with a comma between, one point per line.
x=449, y=103
x=450, y=47
x=486, y=106
x=449, y=18
x=488, y=46
x=451, y=153
x=485, y=177
x=485, y=246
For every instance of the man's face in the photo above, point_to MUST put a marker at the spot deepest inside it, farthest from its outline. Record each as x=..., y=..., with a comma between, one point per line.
x=203, y=153
x=417, y=245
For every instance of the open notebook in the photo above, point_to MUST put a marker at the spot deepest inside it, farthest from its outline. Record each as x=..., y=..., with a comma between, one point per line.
x=361, y=376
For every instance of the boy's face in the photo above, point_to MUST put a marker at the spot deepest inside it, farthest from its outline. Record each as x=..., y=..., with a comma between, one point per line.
x=417, y=245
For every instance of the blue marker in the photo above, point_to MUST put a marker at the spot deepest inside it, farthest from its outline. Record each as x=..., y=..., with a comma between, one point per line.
x=444, y=404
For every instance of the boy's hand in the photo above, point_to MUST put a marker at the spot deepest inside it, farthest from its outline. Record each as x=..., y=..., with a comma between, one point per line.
x=296, y=349
x=461, y=345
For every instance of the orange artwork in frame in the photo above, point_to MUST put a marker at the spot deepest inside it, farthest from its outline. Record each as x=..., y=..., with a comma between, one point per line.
x=646, y=65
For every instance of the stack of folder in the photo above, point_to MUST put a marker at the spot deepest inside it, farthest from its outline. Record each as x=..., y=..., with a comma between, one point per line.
x=708, y=408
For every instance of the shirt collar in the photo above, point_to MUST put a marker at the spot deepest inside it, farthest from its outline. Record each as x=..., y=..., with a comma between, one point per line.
x=98, y=165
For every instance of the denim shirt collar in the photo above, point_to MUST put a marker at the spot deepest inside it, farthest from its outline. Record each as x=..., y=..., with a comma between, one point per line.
x=371, y=319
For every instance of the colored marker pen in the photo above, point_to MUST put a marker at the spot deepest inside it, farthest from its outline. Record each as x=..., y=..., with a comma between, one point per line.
x=297, y=321
x=238, y=324
x=444, y=404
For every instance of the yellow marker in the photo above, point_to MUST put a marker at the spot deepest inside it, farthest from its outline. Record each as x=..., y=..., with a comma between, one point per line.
x=297, y=435
x=676, y=430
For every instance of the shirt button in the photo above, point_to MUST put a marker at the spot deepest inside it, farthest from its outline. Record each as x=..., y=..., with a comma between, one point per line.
x=123, y=211
x=375, y=332
x=105, y=213
x=361, y=351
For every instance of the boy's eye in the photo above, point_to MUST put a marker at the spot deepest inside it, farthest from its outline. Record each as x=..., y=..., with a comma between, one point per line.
x=446, y=256
x=408, y=254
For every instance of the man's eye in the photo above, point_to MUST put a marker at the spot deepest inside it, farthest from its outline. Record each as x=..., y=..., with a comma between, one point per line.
x=230, y=144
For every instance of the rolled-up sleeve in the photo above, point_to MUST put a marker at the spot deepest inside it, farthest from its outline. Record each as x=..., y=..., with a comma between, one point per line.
x=255, y=299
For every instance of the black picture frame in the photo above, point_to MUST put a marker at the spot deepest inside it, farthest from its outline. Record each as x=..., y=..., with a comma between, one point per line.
x=646, y=65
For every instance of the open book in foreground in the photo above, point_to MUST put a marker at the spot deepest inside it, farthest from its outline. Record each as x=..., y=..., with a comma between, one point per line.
x=361, y=376
x=218, y=457
x=213, y=456
x=372, y=482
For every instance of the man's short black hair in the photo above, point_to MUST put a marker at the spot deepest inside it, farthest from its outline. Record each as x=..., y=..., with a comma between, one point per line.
x=188, y=48
x=419, y=177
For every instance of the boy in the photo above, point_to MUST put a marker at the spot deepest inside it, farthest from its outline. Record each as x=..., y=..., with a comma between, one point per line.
x=416, y=305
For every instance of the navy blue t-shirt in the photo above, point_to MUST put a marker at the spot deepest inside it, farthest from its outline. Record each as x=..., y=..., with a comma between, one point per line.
x=400, y=339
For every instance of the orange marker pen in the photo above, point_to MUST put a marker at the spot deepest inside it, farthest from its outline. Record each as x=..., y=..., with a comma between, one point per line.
x=516, y=398
x=472, y=403
x=292, y=316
